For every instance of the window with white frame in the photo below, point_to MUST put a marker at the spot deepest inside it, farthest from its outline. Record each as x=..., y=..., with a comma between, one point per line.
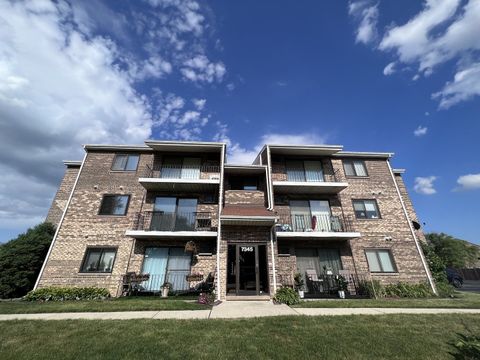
x=355, y=168
x=380, y=260
x=366, y=209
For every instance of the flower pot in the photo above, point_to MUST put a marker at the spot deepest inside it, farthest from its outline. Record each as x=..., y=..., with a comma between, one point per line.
x=301, y=293
x=341, y=294
x=165, y=291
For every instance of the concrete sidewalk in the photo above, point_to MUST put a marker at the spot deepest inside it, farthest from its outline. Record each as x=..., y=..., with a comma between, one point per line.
x=233, y=310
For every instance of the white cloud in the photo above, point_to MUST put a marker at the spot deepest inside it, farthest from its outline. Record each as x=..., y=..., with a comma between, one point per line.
x=200, y=69
x=420, y=131
x=469, y=182
x=62, y=84
x=281, y=83
x=424, y=185
x=366, y=15
x=238, y=154
x=389, y=69
x=199, y=103
x=442, y=31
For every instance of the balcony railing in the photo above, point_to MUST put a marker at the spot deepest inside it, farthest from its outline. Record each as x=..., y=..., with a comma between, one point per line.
x=315, y=223
x=173, y=221
x=178, y=171
x=302, y=175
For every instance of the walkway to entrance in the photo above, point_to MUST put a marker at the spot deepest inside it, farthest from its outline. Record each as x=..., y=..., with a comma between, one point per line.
x=247, y=309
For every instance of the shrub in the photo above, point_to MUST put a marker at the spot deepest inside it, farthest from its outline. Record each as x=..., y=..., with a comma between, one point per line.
x=286, y=295
x=468, y=347
x=406, y=290
x=67, y=293
x=444, y=289
x=372, y=289
x=21, y=260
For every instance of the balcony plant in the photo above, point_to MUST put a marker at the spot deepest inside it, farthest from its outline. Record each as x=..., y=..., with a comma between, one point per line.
x=191, y=246
x=299, y=283
x=166, y=287
x=342, y=286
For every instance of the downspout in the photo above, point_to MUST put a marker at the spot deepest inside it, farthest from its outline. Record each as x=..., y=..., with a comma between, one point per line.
x=59, y=224
x=219, y=230
x=272, y=234
x=420, y=252
x=269, y=178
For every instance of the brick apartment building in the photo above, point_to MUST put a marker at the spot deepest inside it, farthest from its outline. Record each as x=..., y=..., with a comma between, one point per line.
x=314, y=210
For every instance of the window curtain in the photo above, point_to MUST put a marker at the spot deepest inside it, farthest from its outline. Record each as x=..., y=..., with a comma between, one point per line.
x=313, y=171
x=191, y=168
x=321, y=218
x=155, y=264
x=300, y=213
x=178, y=268
x=329, y=260
x=171, y=168
x=295, y=171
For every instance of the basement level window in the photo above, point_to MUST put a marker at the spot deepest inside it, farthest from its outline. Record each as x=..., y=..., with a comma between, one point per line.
x=114, y=205
x=125, y=162
x=98, y=260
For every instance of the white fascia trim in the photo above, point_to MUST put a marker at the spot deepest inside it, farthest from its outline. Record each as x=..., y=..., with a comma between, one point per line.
x=72, y=162
x=305, y=147
x=59, y=224
x=398, y=171
x=218, y=145
x=318, y=234
x=147, y=234
x=382, y=155
x=309, y=183
x=179, y=181
x=116, y=147
x=252, y=218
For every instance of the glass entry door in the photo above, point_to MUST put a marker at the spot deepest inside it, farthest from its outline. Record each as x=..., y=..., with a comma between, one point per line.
x=247, y=270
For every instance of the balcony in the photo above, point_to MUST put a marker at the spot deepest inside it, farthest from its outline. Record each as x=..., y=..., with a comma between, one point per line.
x=317, y=226
x=173, y=177
x=150, y=224
x=300, y=181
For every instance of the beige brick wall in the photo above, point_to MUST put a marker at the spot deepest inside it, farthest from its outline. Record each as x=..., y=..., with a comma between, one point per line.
x=244, y=197
x=63, y=193
x=83, y=227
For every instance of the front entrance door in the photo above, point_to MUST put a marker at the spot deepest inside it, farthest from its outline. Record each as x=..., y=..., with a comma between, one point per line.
x=247, y=270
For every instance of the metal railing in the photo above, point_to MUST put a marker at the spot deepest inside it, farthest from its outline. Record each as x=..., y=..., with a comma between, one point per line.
x=315, y=223
x=173, y=221
x=302, y=175
x=177, y=278
x=179, y=171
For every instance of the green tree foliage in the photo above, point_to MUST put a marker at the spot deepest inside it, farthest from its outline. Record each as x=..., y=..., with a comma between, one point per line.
x=435, y=263
x=454, y=252
x=21, y=260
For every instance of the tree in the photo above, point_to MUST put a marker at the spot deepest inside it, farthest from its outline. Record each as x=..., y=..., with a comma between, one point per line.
x=453, y=252
x=21, y=260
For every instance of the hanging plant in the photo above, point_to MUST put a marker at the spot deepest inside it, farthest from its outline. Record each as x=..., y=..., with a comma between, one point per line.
x=191, y=247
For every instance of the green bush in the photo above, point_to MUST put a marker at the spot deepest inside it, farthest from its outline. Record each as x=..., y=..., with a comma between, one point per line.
x=468, y=347
x=286, y=295
x=371, y=289
x=406, y=290
x=21, y=260
x=444, y=289
x=67, y=293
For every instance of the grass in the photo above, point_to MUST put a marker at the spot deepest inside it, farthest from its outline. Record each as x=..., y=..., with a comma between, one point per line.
x=342, y=337
x=462, y=300
x=117, y=304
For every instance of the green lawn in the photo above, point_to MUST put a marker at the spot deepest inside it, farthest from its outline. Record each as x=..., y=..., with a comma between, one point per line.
x=342, y=337
x=461, y=300
x=117, y=304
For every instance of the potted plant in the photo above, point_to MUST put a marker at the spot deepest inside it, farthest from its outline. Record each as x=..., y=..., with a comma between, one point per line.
x=342, y=286
x=166, y=287
x=299, y=285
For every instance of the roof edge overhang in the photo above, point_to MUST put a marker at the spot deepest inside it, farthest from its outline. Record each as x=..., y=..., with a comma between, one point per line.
x=285, y=149
x=116, y=147
x=398, y=171
x=185, y=146
x=72, y=163
x=362, y=154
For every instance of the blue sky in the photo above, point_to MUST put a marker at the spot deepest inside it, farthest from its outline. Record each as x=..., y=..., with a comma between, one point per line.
x=402, y=77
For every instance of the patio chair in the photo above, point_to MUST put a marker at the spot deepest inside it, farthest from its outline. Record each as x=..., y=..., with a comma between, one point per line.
x=314, y=284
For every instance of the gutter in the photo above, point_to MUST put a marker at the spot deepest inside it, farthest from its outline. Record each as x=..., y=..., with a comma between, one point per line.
x=59, y=224
x=420, y=252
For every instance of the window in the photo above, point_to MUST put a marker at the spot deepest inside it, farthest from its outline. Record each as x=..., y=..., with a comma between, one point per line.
x=366, y=209
x=309, y=171
x=355, y=168
x=380, y=261
x=124, y=162
x=244, y=183
x=181, y=168
x=99, y=260
x=114, y=205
